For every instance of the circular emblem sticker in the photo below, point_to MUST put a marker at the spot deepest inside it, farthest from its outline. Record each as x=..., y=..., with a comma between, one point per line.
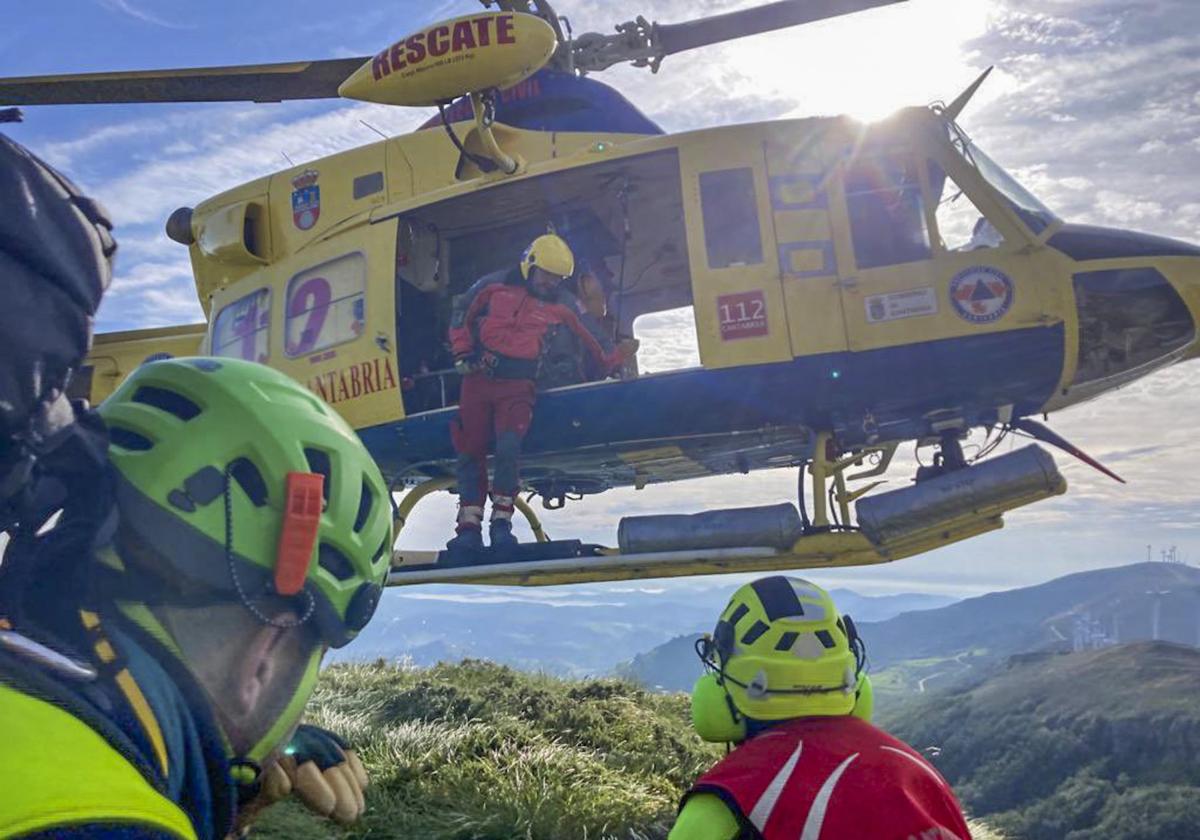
x=981, y=294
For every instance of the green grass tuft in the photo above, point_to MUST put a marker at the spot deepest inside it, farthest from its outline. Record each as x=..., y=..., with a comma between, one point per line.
x=478, y=751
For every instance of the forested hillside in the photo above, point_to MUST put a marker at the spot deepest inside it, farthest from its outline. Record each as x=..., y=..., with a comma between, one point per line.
x=1097, y=745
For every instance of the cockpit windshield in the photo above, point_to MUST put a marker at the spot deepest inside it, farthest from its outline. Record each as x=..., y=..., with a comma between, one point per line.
x=1035, y=214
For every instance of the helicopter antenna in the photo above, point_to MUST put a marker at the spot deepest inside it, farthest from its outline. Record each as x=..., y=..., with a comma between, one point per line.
x=373, y=128
x=623, y=198
x=956, y=107
x=285, y=157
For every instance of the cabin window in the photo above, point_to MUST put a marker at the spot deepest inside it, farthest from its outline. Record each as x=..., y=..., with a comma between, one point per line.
x=242, y=328
x=887, y=213
x=961, y=225
x=326, y=305
x=1127, y=318
x=730, y=208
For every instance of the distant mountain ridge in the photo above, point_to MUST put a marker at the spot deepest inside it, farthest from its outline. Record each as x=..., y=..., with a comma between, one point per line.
x=956, y=644
x=960, y=643
x=576, y=631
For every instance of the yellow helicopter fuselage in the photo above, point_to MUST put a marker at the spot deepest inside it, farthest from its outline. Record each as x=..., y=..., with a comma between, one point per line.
x=879, y=283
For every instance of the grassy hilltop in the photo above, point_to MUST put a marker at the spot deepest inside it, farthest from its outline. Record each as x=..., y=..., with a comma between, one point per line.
x=478, y=751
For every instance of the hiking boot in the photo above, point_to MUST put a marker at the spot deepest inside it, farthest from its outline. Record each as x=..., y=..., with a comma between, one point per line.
x=468, y=539
x=501, y=535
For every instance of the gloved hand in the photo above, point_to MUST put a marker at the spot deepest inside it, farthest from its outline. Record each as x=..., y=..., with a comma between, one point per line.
x=628, y=348
x=625, y=350
x=318, y=767
x=465, y=366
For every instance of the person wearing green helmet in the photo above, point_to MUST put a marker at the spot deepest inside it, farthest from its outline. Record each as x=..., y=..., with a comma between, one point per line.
x=785, y=681
x=252, y=532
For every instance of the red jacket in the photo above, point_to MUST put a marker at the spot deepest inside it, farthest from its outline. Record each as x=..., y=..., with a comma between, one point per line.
x=834, y=778
x=512, y=322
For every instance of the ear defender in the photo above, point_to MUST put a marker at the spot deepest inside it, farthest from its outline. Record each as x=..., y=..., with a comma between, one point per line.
x=713, y=714
x=864, y=698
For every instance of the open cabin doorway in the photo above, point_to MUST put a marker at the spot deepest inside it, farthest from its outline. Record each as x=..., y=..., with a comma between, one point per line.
x=624, y=221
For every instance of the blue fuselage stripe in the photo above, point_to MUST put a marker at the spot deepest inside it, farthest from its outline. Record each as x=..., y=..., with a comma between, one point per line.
x=890, y=392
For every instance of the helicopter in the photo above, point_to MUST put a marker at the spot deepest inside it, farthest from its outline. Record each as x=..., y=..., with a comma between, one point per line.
x=855, y=287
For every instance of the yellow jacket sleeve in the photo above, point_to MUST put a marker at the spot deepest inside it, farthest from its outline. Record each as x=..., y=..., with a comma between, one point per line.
x=705, y=817
x=57, y=771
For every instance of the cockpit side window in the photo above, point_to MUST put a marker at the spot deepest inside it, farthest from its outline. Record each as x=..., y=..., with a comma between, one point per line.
x=961, y=225
x=887, y=213
x=1128, y=318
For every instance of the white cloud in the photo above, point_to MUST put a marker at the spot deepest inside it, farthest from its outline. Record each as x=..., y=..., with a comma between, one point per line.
x=239, y=151
x=127, y=8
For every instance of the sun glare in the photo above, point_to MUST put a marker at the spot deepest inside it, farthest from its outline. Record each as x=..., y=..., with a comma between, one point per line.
x=869, y=65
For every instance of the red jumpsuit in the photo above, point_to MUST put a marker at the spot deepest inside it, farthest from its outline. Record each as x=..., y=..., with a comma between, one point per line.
x=503, y=328
x=834, y=778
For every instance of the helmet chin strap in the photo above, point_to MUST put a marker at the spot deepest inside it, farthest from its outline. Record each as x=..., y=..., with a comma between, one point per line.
x=718, y=667
x=245, y=766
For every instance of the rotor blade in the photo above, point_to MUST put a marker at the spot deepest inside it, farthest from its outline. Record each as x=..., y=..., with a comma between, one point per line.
x=677, y=37
x=248, y=83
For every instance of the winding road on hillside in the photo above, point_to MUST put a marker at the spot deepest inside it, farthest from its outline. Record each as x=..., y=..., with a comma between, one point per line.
x=966, y=666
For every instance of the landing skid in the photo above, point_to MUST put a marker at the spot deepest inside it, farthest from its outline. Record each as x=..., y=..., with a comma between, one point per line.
x=939, y=511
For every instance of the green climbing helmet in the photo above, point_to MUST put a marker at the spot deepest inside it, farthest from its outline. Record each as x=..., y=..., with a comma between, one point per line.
x=238, y=482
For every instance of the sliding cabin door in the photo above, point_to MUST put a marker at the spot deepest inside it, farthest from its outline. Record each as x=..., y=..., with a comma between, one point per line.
x=738, y=295
x=324, y=316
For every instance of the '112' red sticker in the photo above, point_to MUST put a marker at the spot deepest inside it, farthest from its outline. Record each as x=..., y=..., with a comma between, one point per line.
x=743, y=315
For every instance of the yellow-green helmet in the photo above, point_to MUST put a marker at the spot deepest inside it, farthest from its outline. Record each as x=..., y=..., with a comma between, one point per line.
x=549, y=252
x=217, y=463
x=782, y=651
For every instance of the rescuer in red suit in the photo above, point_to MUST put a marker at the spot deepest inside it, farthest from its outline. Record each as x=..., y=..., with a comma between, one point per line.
x=786, y=685
x=496, y=336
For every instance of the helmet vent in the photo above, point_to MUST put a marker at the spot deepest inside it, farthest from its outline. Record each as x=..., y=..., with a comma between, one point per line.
x=167, y=401
x=786, y=641
x=826, y=639
x=319, y=462
x=334, y=562
x=250, y=480
x=365, y=503
x=754, y=633
x=383, y=547
x=127, y=439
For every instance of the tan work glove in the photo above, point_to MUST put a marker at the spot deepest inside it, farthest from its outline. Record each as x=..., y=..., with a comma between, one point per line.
x=321, y=770
x=628, y=348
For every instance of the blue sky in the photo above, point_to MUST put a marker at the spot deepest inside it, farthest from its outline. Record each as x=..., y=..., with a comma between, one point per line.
x=1095, y=105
